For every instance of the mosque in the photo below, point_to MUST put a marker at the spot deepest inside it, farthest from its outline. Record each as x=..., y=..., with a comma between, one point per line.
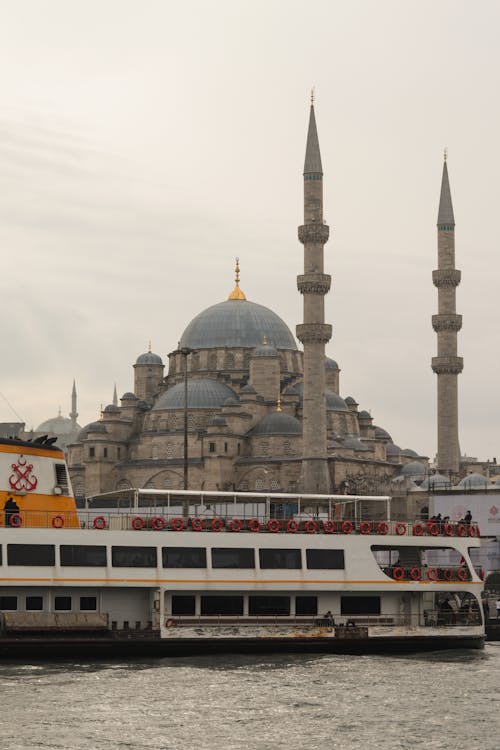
x=241, y=407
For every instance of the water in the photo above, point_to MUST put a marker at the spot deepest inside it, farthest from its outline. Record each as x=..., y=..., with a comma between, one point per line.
x=434, y=701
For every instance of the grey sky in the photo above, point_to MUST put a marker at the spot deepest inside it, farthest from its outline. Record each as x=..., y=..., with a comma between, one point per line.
x=145, y=144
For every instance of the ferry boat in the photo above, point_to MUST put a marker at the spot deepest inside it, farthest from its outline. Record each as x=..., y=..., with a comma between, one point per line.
x=152, y=572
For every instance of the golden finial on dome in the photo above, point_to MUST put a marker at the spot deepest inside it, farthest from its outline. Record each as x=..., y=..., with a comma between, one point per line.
x=278, y=403
x=149, y=346
x=101, y=414
x=264, y=340
x=237, y=293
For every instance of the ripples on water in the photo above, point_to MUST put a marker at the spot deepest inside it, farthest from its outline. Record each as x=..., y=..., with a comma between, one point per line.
x=435, y=701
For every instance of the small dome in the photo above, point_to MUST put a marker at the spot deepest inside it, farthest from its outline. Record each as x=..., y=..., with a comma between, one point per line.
x=112, y=409
x=392, y=450
x=474, y=480
x=364, y=414
x=333, y=401
x=291, y=391
x=203, y=393
x=381, y=434
x=277, y=423
x=350, y=401
x=128, y=396
x=142, y=405
x=409, y=453
x=248, y=389
x=435, y=482
x=330, y=364
x=413, y=469
x=265, y=350
x=149, y=358
x=92, y=427
x=354, y=444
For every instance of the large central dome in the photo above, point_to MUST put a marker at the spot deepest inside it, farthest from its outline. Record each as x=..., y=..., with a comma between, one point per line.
x=237, y=323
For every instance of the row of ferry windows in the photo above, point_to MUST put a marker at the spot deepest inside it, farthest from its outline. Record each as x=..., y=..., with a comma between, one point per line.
x=210, y=605
x=36, y=604
x=78, y=555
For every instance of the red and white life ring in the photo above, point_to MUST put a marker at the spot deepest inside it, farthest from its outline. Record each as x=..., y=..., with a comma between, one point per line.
x=169, y=623
x=217, y=524
x=415, y=574
x=158, y=523
x=310, y=527
x=433, y=528
x=400, y=528
x=197, y=524
x=99, y=522
x=461, y=529
x=433, y=574
x=328, y=527
x=418, y=529
x=347, y=527
x=235, y=524
x=15, y=520
x=292, y=526
x=137, y=523
x=448, y=574
x=254, y=525
x=382, y=528
x=449, y=529
x=273, y=525
x=58, y=522
x=398, y=573
x=365, y=527
x=177, y=524
x=462, y=574
x=472, y=531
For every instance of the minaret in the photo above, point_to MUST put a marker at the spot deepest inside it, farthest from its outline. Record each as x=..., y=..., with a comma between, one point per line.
x=314, y=333
x=115, y=397
x=73, y=414
x=447, y=323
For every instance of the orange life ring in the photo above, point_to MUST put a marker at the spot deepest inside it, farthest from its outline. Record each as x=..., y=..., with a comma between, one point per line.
x=292, y=526
x=398, y=574
x=400, y=528
x=169, y=623
x=448, y=574
x=449, y=529
x=461, y=529
x=310, y=527
x=273, y=525
x=462, y=574
x=418, y=529
x=346, y=527
x=197, y=524
x=415, y=574
x=235, y=524
x=382, y=528
x=158, y=523
x=137, y=523
x=432, y=574
x=365, y=527
x=433, y=528
x=99, y=522
x=254, y=525
x=177, y=524
x=58, y=522
x=217, y=524
x=328, y=527
x=15, y=520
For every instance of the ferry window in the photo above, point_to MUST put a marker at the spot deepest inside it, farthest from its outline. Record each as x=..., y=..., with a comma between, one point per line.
x=88, y=603
x=8, y=602
x=133, y=557
x=221, y=605
x=62, y=603
x=82, y=555
x=269, y=605
x=238, y=557
x=211, y=447
x=183, y=605
x=34, y=603
x=31, y=554
x=360, y=605
x=325, y=559
x=62, y=477
x=184, y=557
x=280, y=558
x=306, y=605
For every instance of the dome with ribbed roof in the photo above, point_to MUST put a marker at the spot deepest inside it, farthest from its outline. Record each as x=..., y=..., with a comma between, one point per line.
x=277, y=423
x=149, y=358
x=413, y=469
x=203, y=393
x=474, y=480
x=237, y=323
x=330, y=364
x=92, y=427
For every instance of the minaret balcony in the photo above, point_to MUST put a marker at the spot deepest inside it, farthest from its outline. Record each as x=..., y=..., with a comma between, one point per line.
x=446, y=322
x=447, y=365
x=314, y=283
x=446, y=277
x=314, y=234
x=314, y=333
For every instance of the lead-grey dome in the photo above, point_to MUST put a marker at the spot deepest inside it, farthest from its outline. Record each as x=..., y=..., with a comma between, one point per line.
x=474, y=480
x=92, y=427
x=413, y=469
x=149, y=358
x=436, y=482
x=277, y=423
x=203, y=393
x=237, y=323
x=333, y=401
x=58, y=426
x=330, y=364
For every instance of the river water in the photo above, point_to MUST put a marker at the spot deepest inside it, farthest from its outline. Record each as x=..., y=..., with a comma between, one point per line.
x=439, y=700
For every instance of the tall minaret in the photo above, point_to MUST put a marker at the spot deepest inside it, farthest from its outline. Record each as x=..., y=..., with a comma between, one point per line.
x=73, y=414
x=447, y=323
x=314, y=333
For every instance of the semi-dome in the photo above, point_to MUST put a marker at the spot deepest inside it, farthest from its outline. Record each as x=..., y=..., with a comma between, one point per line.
x=203, y=393
x=277, y=423
x=351, y=401
x=149, y=358
x=237, y=323
x=392, y=450
x=333, y=401
x=409, y=453
x=413, y=469
x=381, y=434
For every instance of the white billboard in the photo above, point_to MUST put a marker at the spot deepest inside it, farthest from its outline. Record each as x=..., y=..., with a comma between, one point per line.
x=485, y=509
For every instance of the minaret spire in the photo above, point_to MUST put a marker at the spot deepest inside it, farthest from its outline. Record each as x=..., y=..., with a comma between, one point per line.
x=447, y=365
x=115, y=397
x=314, y=333
x=74, y=414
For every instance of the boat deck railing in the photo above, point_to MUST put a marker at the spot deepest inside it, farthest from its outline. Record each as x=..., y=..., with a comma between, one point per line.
x=174, y=520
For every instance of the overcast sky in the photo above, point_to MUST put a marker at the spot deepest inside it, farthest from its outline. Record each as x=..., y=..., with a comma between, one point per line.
x=144, y=144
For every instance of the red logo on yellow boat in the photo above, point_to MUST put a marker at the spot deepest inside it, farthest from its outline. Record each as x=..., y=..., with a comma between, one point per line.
x=23, y=478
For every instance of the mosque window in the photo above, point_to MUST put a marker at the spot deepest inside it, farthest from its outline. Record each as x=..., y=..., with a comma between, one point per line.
x=211, y=447
x=118, y=451
x=287, y=447
x=168, y=483
x=212, y=361
x=170, y=450
x=155, y=452
x=190, y=422
x=105, y=452
x=91, y=452
x=173, y=422
x=246, y=360
x=229, y=361
x=244, y=486
x=239, y=449
x=264, y=448
x=259, y=484
x=225, y=447
x=195, y=361
x=275, y=485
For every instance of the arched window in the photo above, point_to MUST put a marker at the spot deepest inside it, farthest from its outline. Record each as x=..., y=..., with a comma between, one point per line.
x=212, y=361
x=287, y=447
x=170, y=450
x=168, y=483
x=155, y=452
x=229, y=361
x=191, y=422
x=259, y=484
x=275, y=485
x=244, y=486
x=264, y=448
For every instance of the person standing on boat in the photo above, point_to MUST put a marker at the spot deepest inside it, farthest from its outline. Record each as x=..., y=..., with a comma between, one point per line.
x=10, y=509
x=497, y=605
